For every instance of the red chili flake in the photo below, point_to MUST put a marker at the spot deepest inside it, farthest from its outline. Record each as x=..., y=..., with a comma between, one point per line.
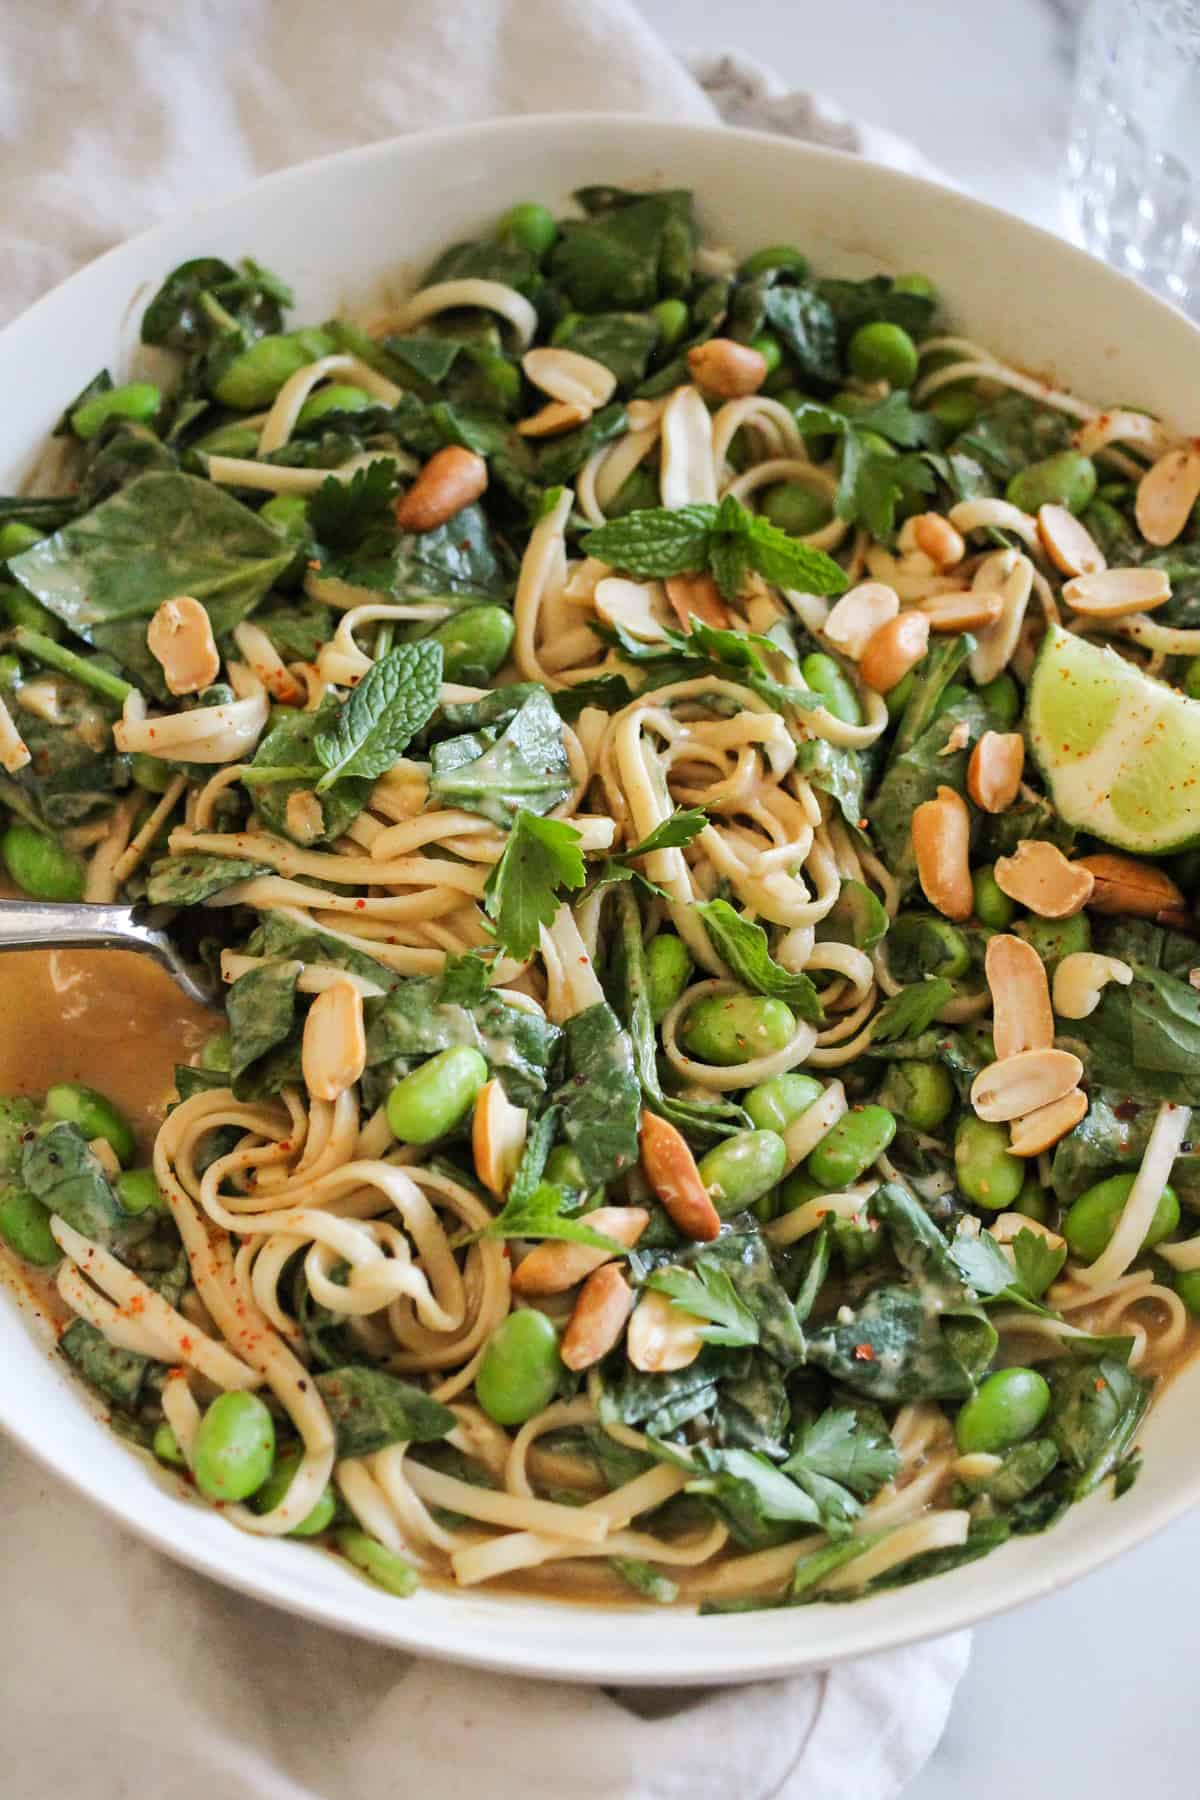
x=358, y=905
x=1099, y=1384
x=185, y=1343
x=863, y=1353
x=824, y=1213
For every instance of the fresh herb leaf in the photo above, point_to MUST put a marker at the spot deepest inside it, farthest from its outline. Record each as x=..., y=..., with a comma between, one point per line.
x=190, y=880
x=645, y=1579
x=341, y=513
x=857, y=917
x=394, y=700
x=674, y=833
x=521, y=895
x=1144, y=1040
x=743, y=945
x=541, y=1214
x=910, y=1011
x=120, y=1375
x=656, y=542
x=261, y=1007
x=371, y=1409
x=601, y=1095
x=59, y=1169
x=1095, y=1411
x=525, y=768
x=813, y=1569
x=886, y=483
x=1038, y=1263
x=850, y=1445
x=751, y=1493
x=708, y=1293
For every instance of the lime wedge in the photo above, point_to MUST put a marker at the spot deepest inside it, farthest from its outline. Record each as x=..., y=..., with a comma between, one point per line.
x=1120, y=752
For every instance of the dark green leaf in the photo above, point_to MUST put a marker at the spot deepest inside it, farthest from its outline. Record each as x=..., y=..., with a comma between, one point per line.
x=341, y=513
x=709, y=1294
x=743, y=946
x=656, y=542
x=541, y=1214
x=622, y=341
x=190, y=880
x=541, y=856
x=60, y=1170
x=837, y=771
x=750, y=1492
x=261, y=1008
x=1095, y=1411
x=522, y=771
x=628, y=256
x=601, y=1095
x=857, y=917
x=120, y=1375
x=286, y=763
x=804, y=321
x=371, y=1409
x=851, y=1445
x=910, y=1011
x=674, y=833
x=394, y=700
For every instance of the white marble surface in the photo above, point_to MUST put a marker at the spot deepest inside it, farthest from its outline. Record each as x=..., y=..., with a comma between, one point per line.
x=1092, y=1692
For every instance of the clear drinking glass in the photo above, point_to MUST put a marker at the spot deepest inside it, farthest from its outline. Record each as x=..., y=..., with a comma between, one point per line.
x=1133, y=156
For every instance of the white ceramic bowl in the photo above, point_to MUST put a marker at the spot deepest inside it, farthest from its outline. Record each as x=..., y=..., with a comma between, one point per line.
x=344, y=230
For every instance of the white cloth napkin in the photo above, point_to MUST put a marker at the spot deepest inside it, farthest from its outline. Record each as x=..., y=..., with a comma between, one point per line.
x=123, y=1673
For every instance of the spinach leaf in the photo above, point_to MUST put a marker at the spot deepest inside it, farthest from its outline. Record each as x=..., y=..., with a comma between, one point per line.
x=521, y=895
x=1112, y=1135
x=743, y=946
x=600, y=1097
x=804, y=321
x=393, y=701
x=895, y=1348
x=912, y=1010
x=282, y=938
x=61, y=1171
x=707, y=1293
x=660, y=1404
x=296, y=627
x=285, y=763
x=206, y=298
x=622, y=341
x=984, y=1536
x=627, y=255
x=190, y=880
x=160, y=536
x=856, y=303
x=752, y=1410
x=931, y=677
x=523, y=770
x=836, y=771
x=645, y=1580
x=1095, y=1411
x=1012, y=433
x=1021, y=1471
x=1143, y=1041
x=73, y=770
x=261, y=1008
x=415, y=1020
x=560, y=459
x=120, y=1375
x=857, y=917
x=752, y=1494
x=371, y=1409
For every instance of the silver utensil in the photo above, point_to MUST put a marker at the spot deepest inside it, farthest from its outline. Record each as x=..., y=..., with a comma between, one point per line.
x=56, y=925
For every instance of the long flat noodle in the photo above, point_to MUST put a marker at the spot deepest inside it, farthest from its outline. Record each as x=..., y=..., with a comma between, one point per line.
x=527, y=1548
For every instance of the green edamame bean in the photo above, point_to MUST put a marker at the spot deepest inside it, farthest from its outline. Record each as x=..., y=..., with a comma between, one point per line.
x=1002, y=697
x=775, y=1104
x=883, y=352
x=796, y=508
x=988, y=1173
x=25, y=1227
x=138, y=400
x=23, y=609
x=851, y=1146
x=671, y=318
x=377, y=1562
x=1009, y=1406
x=437, y=1096
x=637, y=492
x=955, y=408
x=668, y=971
x=10, y=673
x=474, y=643
x=235, y=1446
x=898, y=697
x=797, y=1191
x=337, y=397
x=39, y=866
x=771, y=257
x=256, y=374
x=734, y=1028
x=992, y=905
x=564, y=1170
x=228, y=440
x=15, y=537
x=139, y=1192
x=288, y=513
x=165, y=1446
x=529, y=225
x=1068, y=479
x=1191, y=679
x=742, y=1168
x=520, y=1370
x=1055, y=938
x=18, y=1118
x=921, y=1092
x=1092, y=1219
x=151, y=775
x=1187, y=1286
x=769, y=348
x=95, y=1116
x=919, y=944
x=820, y=673
x=915, y=283
x=1031, y=1202
x=274, y=1490
x=217, y=1053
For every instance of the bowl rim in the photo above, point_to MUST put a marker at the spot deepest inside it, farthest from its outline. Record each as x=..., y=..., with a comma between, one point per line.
x=723, y=1653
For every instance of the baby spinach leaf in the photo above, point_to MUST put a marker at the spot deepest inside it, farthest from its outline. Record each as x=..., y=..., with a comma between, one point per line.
x=707, y=1293
x=1095, y=1411
x=541, y=856
x=1143, y=1041
x=296, y=627
x=261, y=1008
x=837, y=771
x=627, y=255
x=341, y=513
x=908, y=1013
x=61, y=1171
x=857, y=917
x=282, y=938
x=541, y=1214
x=983, y=1536
x=856, y=303
x=896, y=1349
x=645, y=1579
x=394, y=700
x=205, y=298
x=804, y=320
x=120, y=1375
x=743, y=1256
x=190, y=880
x=371, y=1409
x=286, y=763
x=164, y=534
x=622, y=341
x=1021, y=1471
x=914, y=777
x=1112, y=1135
x=660, y=1404
x=601, y=1096
x=743, y=946
x=752, y=1410
x=1013, y=432
x=523, y=770
x=931, y=677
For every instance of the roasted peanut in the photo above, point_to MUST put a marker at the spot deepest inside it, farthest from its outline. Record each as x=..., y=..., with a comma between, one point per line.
x=1021, y=1014
x=1038, y=1130
x=1069, y=545
x=661, y=1336
x=995, y=769
x=334, y=1051
x=552, y=1268
x=1121, y=884
x=599, y=1317
x=727, y=370
x=1080, y=979
x=941, y=836
x=671, y=1171
x=1110, y=593
x=555, y=417
x=1011, y=576
x=567, y=376
x=698, y=595
x=180, y=638
x=1039, y=876
x=1167, y=493
x=498, y=1130
x=451, y=479
x=1020, y=1084
x=893, y=650
x=857, y=616
x=939, y=540
x=968, y=611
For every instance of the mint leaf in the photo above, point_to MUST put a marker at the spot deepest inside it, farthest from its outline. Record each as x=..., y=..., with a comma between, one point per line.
x=656, y=542
x=521, y=895
x=727, y=560
x=707, y=1293
x=674, y=833
x=1037, y=1263
x=392, y=702
x=908, y=1013
x=540, y=1215
x=743, y=945
x=786, y=562
x=341, y=513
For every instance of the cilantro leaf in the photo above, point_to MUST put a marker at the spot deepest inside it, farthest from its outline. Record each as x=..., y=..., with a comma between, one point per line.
x=541, y=1215
x=910, y=1011
x=885, y=483
x=521, y=895
x=848, y=1445
x=895, y=419
x=673, y=834
x=1037, y=1262
x=981, y=1263
x=341, y=513
x=656, y=541
x=743, y=945
x=872, y=485
x=392, y=702
x=750, y=1491
x=707, y=1293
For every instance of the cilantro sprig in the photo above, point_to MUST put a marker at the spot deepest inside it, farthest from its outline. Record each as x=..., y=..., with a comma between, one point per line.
x=873, y=484
x=727, y=540
x=707, y=1293
x=522, y=892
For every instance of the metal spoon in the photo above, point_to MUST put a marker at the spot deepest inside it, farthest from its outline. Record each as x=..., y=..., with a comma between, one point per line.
x=54, y=925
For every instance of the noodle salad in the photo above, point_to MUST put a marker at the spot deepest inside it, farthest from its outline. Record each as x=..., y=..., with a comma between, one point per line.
x=686, y=772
